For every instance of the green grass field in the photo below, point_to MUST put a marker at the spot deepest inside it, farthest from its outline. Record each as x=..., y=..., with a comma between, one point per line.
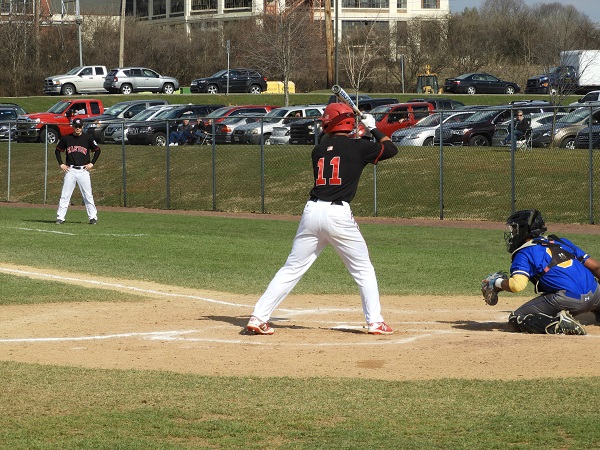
x=52, y=407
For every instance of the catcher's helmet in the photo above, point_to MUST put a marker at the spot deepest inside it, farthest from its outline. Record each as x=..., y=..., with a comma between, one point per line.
x=338, y=117
x=523, y=225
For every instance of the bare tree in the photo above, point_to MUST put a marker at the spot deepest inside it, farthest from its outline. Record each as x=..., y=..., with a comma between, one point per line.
x=283, y=41
x=361, y=48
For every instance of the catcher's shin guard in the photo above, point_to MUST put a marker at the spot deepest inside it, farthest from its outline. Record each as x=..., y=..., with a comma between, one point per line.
x=562, y=323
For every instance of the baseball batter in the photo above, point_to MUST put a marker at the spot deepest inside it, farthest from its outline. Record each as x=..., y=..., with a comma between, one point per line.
x=338, y=161
x=77, y=147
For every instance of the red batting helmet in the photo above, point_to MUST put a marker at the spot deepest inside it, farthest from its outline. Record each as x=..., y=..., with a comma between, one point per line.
x=338, y=117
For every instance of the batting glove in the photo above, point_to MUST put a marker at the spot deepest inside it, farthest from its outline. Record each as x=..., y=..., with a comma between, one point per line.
x=368, y=121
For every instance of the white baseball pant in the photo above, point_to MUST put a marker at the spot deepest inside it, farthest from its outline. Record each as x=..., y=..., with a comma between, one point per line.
x=81, y=177
x=323, y=223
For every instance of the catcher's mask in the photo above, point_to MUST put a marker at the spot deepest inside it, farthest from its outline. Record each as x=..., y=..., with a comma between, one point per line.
x=338, y=117
x=523, y=225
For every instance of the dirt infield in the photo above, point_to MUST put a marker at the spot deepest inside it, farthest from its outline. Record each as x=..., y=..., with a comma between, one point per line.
x=201, y=332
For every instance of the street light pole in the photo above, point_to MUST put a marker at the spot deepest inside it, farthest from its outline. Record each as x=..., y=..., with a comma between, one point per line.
x=78, y=21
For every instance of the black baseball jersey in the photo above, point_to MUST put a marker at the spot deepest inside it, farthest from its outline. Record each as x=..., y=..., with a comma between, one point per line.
x=78, y=149
x=338, y=162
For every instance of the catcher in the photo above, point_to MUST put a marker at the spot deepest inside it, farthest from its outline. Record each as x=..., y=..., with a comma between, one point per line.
x=564, y=276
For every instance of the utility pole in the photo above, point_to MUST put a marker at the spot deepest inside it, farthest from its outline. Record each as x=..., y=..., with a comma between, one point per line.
x=329, y=43
x=78, y=21
x=122, y=35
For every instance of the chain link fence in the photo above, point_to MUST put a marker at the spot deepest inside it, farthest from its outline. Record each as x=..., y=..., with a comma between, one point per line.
x=434, y=182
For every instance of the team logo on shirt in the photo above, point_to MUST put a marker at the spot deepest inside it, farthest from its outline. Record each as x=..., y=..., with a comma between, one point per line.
x=330, y=148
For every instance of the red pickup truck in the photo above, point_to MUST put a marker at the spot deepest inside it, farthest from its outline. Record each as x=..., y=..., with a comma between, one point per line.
x=56, y=122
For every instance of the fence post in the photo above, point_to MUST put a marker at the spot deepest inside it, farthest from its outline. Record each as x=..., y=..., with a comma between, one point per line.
x=168, y=177
x=441, y=167
x=46, y=165
x=8, y=167
x=591, y=166
x=214, y=167
x=124, y=164
x=262, y=167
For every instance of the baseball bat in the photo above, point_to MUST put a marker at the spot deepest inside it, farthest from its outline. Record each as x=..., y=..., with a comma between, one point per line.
x=340, y=93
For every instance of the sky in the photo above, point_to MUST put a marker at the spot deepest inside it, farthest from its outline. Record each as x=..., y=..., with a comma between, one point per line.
x=590, y=8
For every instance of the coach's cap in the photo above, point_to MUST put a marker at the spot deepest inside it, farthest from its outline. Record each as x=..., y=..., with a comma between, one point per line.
x=77, y=123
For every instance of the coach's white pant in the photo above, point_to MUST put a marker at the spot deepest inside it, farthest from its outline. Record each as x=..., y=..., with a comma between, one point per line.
x=323, y=223
x=81, y=177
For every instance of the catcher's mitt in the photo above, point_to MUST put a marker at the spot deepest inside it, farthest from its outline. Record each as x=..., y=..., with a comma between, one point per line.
x=490, y=294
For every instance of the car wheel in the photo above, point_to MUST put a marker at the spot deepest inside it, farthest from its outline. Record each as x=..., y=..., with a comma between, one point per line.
x=479, y=141
x=255, y=89
x=471, y=90
x=68, y=89
x=212, y=89
x=168, y=88
x=510, y=90
x=51, y=134
x=126, y=89
x=428, y=141
x=568, y=143
x=159, y=139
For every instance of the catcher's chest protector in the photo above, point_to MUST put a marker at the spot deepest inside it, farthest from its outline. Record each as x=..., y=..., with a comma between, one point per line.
x=559, y=256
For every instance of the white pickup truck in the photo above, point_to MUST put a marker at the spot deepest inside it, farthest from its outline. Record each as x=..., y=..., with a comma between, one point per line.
x=79, y=80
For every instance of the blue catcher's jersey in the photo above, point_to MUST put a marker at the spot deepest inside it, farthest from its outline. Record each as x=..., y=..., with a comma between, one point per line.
x=563, y=272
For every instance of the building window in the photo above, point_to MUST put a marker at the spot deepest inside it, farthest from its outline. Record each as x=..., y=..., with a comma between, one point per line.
x=141, y=8
x=160, y=8
x=203, y=5
x=401, y=4
x=365, y=4
x=430, y=4
x=238, y=4
x=176, y=7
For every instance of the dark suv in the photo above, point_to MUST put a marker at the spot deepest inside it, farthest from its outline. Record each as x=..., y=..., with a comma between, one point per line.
x=154, y=132
x=479, y=129
x=8, y=117
x=236, y=80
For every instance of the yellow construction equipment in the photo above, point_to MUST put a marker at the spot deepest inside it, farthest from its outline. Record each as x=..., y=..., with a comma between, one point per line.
x=427, y=83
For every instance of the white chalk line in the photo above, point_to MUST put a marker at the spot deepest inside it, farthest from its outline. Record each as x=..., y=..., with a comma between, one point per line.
x=39, y=230
x=179, y=336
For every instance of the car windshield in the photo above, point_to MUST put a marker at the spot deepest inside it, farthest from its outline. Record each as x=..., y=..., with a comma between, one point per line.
x=380, y=109
x=575, y=116
x=429, y=121
x=482, y=116
x=218, y=112
x=143, y=115
x=74, y=70
x=117, y=109
x=219, y=74
x=59, y=107
x=463, y=76
x=275, y=115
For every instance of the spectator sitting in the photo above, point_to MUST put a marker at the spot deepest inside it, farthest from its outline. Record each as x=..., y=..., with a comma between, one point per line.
x=521, y=125
x=199, y=134
x=182, y=135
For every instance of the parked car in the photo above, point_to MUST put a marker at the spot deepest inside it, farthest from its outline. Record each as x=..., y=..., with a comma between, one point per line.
x=218, y=115
x=480, y=83
x=156, y=131
x=114, y=133
x=224, y=129
x=583, y=137
x=302, y=132
x=440, y=103
x=423, y=132
x=536, y=120
x=592, y=98
x=389, y=118
x=138, y=79
x=353, y=97
x=253, y=133
x=236, y=80
x=479, y=129
x=566, y=129
x=8, y=120
x=56, y=122
x=95, y=126
x=79, y=80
